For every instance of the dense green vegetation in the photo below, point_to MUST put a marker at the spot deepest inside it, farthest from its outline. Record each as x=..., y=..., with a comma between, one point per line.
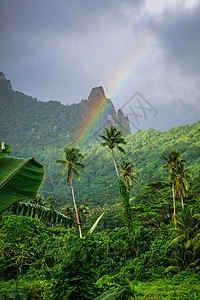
x=143, y=148
x=131, y=236
x=136, y=245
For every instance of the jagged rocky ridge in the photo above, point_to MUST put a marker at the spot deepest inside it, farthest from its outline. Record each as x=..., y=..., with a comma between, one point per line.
x=26, y=120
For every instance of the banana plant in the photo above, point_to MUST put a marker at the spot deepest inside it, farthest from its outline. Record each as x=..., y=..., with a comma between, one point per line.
x=42, y=213
x=91, y=230
x=20, y=178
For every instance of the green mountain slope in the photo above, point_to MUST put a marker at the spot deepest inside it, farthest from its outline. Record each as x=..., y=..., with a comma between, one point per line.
x=145, y=149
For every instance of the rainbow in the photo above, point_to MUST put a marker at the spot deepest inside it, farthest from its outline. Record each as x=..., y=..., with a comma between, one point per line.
x=129, y=67
x=96, y=111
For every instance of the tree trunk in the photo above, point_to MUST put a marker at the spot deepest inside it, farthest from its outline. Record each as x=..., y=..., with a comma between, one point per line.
x=77, y=217
x=126, y=209
x=114, y=162
x=174, y=204
x=182, y=200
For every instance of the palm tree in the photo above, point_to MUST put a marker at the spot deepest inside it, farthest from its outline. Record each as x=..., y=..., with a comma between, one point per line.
x=73, y=166
x=129, y=172
x=171, y=163
x=181, y=184
x=126, y=208
x=185, y=245
x=112, y=139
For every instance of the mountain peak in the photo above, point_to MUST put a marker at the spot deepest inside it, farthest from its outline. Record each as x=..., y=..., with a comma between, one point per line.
x=96, y=94
x=2, y=76
x=4, y=81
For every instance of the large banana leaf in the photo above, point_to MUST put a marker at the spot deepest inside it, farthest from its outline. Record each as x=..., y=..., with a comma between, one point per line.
x=94, y=225
x=110, y=295
x=20, y=178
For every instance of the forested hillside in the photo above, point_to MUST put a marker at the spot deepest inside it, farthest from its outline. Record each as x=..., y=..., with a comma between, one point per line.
x=144, y=148
x=42, y=129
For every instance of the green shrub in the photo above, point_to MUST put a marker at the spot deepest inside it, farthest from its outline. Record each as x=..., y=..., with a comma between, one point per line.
x=119, y=281
x=74, y=280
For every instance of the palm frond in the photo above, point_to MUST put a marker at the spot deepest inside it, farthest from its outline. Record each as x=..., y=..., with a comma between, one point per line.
x=104, y=137
x=75, y=172
x=197, y=216
x=60, y=161
x=64, y=170
x=194, y=263
x=173, y=269
x=68, y=175
x=81, y=166
x=176, y=241
x=120, y=149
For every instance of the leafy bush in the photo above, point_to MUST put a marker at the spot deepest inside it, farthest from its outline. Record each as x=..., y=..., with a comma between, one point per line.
x=34, y=289
x=120, y=282
x=74, y=280
x=18, y=247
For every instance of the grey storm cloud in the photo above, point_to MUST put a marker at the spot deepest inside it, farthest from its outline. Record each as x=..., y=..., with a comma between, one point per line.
x=68, y=43
x=181, y=39
x=61, y=49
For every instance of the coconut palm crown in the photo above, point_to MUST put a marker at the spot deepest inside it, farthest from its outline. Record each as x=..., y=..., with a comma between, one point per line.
x=129, y=173
x=113, y=138
x=73, y=166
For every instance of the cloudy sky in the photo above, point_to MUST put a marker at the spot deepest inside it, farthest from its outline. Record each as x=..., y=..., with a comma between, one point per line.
x=145, y=53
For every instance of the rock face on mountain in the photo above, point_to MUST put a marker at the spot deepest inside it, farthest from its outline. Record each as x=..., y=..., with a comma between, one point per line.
x=123, y=121
x=96, y=94
x=110, y=117
x=4, y=83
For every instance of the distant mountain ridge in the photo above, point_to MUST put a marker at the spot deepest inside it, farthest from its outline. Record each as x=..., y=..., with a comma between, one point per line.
x=25, y=119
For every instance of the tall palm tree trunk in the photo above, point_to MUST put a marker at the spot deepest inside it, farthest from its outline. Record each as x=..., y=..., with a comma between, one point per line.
x=77, y=217
x=114, y=162
x=174, y=204
x=182, y=201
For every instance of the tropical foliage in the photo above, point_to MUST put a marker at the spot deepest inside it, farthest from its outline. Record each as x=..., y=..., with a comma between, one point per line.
x=130, y=252
x=186, y=243
x=20, y=178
